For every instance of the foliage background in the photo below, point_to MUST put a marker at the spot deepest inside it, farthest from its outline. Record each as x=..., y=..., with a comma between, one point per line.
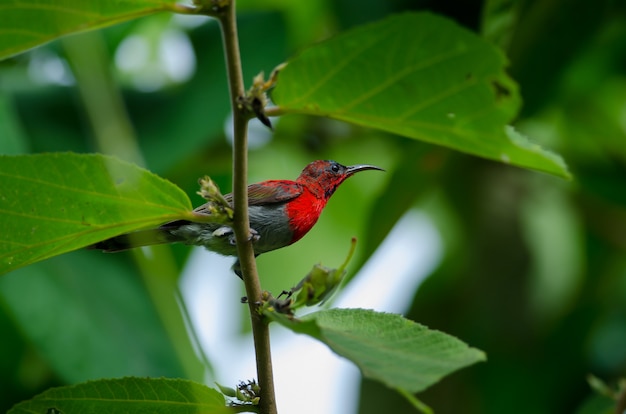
x=534, y=271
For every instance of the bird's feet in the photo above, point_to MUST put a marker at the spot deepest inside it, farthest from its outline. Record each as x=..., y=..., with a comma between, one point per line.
x=228, y=231
x=254, y=235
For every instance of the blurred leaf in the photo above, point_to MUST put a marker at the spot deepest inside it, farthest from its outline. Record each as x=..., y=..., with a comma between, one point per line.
x=24, y=373
x=555, y=242
x=126, y=395
x=306, y=21
x=55, y=203
x=498, y=20
x=600, y=387
x=90, y=317
x=30, y=23
x=50, y=120
x=13, y=139
x=597, y=404
x=386, y=347
x=603, y=401
x=185, y=112
x=545, y=40
x=447, y=87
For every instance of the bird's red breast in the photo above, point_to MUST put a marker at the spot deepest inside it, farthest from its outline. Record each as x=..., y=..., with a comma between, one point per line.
x=303, y=212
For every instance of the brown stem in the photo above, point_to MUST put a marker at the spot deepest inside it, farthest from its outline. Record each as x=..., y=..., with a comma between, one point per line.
x=260, y=329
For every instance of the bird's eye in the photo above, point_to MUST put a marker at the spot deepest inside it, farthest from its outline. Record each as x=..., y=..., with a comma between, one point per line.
x=335, y=168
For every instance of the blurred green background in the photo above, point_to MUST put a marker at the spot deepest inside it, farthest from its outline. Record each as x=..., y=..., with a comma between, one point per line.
x=534, y=268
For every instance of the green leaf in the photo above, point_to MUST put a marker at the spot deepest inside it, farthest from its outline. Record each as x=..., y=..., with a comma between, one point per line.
x=127, y=395
x=25, y=24
x=388, y=348
x=13, y=138
x=54, y=203
x=419, y=76
x=95, y=323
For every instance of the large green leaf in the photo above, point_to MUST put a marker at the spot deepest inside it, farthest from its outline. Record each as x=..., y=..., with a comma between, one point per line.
x=387, y=347
x=54, y=203
x=127, y=395
x=416, y=75
x=25, y=24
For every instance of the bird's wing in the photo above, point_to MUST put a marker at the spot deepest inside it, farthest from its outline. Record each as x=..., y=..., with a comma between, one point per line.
x=270, y=192
x=266, y=192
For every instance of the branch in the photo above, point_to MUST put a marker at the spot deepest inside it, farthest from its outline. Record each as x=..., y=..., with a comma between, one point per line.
x=260, y=329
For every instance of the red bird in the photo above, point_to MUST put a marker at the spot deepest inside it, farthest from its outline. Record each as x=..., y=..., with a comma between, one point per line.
x=281, y=213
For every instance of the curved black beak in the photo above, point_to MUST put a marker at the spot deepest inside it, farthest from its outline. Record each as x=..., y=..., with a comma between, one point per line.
x=352, y=169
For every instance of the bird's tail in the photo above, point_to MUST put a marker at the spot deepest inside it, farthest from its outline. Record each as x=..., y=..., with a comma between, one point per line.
x=135, y=239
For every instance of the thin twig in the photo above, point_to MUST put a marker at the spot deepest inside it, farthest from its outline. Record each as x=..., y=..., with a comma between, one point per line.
x=260, y=329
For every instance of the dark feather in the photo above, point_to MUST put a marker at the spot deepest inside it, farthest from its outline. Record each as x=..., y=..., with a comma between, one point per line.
x=268, y=192
x=135, y=239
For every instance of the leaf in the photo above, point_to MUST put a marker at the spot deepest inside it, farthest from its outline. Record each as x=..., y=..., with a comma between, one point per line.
x=55, y=203
x=127, y=395
x=388, y=348
x=25, y=24
x=419, y=76
x=13, y=137
x=92, y=324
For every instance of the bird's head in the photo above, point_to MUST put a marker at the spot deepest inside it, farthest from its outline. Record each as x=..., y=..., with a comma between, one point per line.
x=323, y=177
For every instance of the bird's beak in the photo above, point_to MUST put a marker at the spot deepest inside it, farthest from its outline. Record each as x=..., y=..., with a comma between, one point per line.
x=361, y=167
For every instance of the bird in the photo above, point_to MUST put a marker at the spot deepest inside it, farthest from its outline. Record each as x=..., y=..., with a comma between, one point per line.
x=280, y=212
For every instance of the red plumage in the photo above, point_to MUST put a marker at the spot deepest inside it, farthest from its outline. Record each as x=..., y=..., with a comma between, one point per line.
x=281, y=213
